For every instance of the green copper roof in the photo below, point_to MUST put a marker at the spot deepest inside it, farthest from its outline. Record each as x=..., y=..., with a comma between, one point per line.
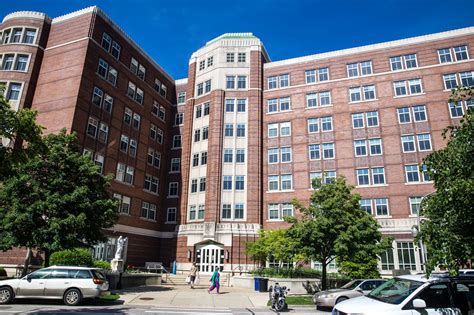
x=232, y=36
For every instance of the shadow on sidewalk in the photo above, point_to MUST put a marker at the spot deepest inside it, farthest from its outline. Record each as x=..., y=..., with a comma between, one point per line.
x=144, y=289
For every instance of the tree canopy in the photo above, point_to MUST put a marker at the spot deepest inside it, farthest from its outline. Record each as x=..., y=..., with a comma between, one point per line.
x=448, y=230
x=334, y=226
x=55, y=200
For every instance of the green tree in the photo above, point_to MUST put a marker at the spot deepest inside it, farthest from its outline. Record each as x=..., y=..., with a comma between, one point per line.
x=16, y=127
x=272, y=244
x=448, y=230
x=55, y=200
x=334, y=226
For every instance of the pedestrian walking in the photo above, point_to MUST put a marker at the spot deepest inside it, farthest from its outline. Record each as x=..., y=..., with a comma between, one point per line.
x=215, y=278
x=193, y=274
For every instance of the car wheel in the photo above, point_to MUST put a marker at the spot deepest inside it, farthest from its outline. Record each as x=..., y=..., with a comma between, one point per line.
x=6, y=295
x=342, y=298
x=72, y=297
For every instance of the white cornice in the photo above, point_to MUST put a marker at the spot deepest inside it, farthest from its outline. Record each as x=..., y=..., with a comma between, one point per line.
x=369, y=48
x=181, y=81
x=25, y=15
x=140, y=231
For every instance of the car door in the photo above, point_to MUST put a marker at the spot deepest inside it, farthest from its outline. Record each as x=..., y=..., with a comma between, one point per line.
x=57, y=283
x=33, y=284
x=438, y=301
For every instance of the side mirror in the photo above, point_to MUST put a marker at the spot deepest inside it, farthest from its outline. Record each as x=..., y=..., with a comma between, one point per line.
x=419, y=303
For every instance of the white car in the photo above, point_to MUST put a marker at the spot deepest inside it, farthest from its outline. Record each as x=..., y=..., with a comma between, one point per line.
x=414, y=295
x=71, y=284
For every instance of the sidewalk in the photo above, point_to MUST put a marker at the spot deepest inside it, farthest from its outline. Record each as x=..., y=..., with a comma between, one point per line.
x=183, y=296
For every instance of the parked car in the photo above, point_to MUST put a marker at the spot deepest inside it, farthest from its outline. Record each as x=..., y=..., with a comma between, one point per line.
x=71, y=284
x=414, y=294
x=354, y=288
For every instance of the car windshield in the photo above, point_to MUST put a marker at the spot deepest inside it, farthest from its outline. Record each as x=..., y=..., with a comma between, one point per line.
x=395, y=290
x=351, y=285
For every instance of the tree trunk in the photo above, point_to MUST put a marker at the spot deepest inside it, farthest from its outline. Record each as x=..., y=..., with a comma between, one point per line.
x=323, y=275
x=46, y=257
x=26, y=262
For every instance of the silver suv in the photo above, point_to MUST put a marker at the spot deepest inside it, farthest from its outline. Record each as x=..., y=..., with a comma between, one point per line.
x=71, y=284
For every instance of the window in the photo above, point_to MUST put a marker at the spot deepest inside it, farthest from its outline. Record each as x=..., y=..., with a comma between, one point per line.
x=272, y=155
x=424, y=142
x=178, y=119
x=141, y=72
x=319, y=75
x=148, y=211
x=318, y=99
x=92, y=127
x=181, y=97
x=13, y=91
x=230, y=57
x=408, y=143
x=279, y=211
x=175, y=165
x=378, y=176
x=366, y=205
x=124, y=203
x=363, y=93
x=192, y=212
x=444, y=55
x=313, y=125
x=240, y=155
x=280, y=81
x=230, y=82
x=406, y=255
x=201, y=212
x=240, y=130
x=99, y=161
x=363, y=178
x=272, y=130
x=197, y=135
x=103, y=132
x=176, y=141
x=124, y=143
x=460, y=52
x=403, y=62
x=401, y=88
x=226, y=211
x=239, y=182
x=272, y=106
x=162, y=113
x=200, y=89
x=198, y=111
x=151, y=184
x=381, y=206
x=362, y=68
x=467, y=78
x=241, y=82
x=154, y=158
x=229, y=130
x=285, y=154
x=202, y=64
x=124, y=173
x=386, y=260
x=173, y=189
x=328, y=151
x=314, y=151
x=195, y=159
x=29, y=36
x=450, y=81
x=323, y=74
x=8, y=61
x=136, y=121
x=413, y=174
x=127, y=116
x=108, y=103
x=229, y=105
x=375, y=146
x=372, y=119
x=206, y=109
x=241, y=105
x=415, y=204
x=286, y=182
x=194, y=185
x=285, y=129
x=171, y=215
x=202, y=184
x=210, y=61
x=285, y=104
x=273, y=183
x=133, y=147
x=310, y=76
x=358, y=120
x=16, y=35
x=134, y=65
x=102, y=68
x=228, y=155
x=311, y=100
x=204, y=158
x=241, y=57
x=360, y=147
x=116, y=48
x=457, y=109
x=227, y=183
x=112, y=77
x=21, y=62
x=205, y=133
x=239, y=211
x=207, y=87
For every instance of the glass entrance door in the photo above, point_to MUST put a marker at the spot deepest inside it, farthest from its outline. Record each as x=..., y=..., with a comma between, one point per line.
x=210, y=258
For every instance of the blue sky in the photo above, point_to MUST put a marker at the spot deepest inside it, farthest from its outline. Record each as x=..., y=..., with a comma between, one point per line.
x=171, y=30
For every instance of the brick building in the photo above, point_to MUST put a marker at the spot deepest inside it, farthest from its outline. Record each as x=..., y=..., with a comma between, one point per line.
x=202, y=163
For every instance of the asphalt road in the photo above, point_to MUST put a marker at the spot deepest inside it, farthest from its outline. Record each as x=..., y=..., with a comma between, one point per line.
x=57, y=308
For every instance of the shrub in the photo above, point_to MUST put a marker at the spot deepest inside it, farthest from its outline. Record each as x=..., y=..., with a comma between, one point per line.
x=72, y=257
x=288, y=273
x=104, y=265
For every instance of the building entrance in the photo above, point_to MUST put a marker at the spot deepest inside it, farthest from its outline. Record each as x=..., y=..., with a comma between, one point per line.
x=209, y=257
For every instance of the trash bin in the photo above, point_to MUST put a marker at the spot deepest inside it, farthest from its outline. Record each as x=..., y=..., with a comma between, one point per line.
x=263, y=285
x=256, y=283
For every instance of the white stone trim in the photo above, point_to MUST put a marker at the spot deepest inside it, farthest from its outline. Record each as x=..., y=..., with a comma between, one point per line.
x=25, y=15
x=73, y=14
x=140, y=231
x=369, y=48
x=181, y=81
